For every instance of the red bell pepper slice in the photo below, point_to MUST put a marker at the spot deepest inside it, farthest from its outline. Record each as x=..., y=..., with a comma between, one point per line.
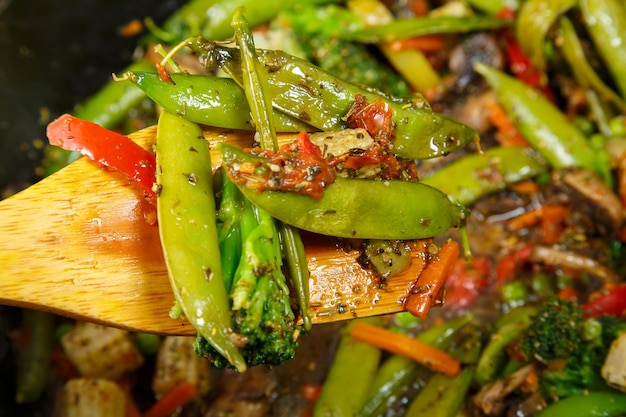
x=111, y=149
x=612, y=303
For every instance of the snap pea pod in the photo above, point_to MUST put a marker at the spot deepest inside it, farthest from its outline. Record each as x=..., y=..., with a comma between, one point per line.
x=477, y=175
x=592, y=404
x=212, y=101
x=396, y=371
x=534, y=20
x=399, y=29
x=306, y=92
x=256, y=89
x=188, y=231
x=583, y=71
x=356, y=208
x=349, y=377
x=492, y=358
x=442, y=396
x=212, y=18
x=606, y=22
x=543, y=125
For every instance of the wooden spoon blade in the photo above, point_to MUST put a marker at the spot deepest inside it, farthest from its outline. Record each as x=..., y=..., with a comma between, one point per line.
x=82, y=243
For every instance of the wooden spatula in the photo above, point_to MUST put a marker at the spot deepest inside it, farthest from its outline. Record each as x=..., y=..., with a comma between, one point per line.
x=82, y=243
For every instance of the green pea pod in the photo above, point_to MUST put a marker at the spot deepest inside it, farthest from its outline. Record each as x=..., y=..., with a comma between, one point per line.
x=357, y=208
x=493, y=356
x=534, y=20
x=606, y=22
x=419, y=26
x=349, y=377
x=592, y=404
x=188, y=231
x=583, y=71
x=308, y=93
x=212, y=101
x=442, y=396
x=477, y=175
x=543, y=125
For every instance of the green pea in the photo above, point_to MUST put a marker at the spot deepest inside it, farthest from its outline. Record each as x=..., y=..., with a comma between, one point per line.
x=514, y=293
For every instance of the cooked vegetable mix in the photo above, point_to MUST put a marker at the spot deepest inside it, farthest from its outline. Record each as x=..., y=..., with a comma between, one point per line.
x=507, y=163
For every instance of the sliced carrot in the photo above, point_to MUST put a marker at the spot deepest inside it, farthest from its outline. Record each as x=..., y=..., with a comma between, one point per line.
x=550, y=217
x=425, y=43
x=568, y=293
x=420, y=7
x=422, y=353
x=170, y=402
x=508, y=135
x=428, y=285
x=525, y=187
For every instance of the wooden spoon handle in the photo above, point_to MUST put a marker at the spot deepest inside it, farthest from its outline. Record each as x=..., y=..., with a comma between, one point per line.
x=82, y=243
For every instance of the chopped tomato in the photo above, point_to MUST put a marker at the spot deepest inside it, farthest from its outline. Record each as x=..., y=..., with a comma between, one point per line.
x=466, y=281
x=111, y=149
x=510, y=264
x=296, y=167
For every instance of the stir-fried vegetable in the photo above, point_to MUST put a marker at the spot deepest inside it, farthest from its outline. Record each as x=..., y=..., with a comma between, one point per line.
x=532, y=325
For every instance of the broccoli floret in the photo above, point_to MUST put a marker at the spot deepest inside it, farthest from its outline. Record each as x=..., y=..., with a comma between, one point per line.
x=555, y=332
x=263, y=320
x=574, y=348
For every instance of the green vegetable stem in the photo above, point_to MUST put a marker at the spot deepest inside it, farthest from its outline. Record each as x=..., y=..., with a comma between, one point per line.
x=33, y=362
x=540, y=122
x=257, y=92
x=349, y=377
x=188, y=230
x=357, y=208
x=312, y=95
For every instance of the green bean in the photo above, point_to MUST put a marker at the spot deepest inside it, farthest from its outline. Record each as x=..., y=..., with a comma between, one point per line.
x=539, y=121
x=534, y=20
x=357, y=208
x=493, y=356
x=212, y=101
x=396, y=371
x=33, y=362
x=399, y=29
x=308, y=93
x=349, y=377
x=257, y=92
x=442, y=396
x=188, y=231
x=592, y=404
x=477, y=175
x=606, y=23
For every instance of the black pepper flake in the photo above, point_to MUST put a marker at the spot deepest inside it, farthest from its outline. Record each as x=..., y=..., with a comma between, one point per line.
x=191, y=178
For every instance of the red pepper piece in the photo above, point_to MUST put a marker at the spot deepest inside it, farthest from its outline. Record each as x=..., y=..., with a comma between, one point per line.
x=612, y=303
x=112, y=150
